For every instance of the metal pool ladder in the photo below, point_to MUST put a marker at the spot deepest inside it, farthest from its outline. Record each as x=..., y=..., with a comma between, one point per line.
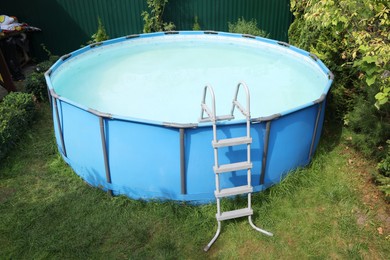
x=220, y=169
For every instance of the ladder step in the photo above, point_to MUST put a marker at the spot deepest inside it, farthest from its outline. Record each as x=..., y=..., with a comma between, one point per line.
x=238, y=213
x=232, y=141
x=233, y=167
x=233, y=191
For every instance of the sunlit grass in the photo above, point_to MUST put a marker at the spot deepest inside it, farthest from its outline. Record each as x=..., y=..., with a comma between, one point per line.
x=47, y=211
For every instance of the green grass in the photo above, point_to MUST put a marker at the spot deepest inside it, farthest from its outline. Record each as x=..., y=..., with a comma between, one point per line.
x=47, y=211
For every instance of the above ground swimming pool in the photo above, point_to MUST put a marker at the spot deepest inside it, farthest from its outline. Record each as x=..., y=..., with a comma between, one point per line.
x=126, y=111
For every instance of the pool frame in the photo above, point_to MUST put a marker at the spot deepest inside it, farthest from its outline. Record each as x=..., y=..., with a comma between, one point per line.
x=146, y=159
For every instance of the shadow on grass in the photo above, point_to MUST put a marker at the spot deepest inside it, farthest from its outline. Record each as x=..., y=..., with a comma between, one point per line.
x=332, y=132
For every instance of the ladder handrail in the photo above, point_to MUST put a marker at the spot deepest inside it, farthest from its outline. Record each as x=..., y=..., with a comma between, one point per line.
x=210, y=113
x=237, y=104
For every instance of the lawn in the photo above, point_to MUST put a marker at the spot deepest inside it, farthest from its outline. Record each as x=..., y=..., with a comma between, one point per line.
x=329, y=209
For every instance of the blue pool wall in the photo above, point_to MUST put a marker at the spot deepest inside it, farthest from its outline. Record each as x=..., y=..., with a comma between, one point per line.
x=156, y=160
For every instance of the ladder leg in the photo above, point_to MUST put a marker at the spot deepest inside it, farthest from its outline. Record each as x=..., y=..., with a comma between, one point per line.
x=206, y=248
x=259, y=229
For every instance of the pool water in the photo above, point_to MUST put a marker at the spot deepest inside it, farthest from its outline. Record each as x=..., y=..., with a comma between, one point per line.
x=163, y=81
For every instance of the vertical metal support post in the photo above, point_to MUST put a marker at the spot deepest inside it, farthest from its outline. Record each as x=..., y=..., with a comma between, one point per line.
x=315, y=129
x=59, y=126
x=248, y=146
x=49, y=96
x=182, y=162
x=265, y=152
x=216, y=162
x=47, y=75
x=104, y=146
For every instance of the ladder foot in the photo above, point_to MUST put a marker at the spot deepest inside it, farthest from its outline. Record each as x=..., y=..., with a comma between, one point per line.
x=206, y=248
x=259, y=229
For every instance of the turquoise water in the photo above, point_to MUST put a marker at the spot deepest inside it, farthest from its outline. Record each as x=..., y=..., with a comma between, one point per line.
x=162, y=79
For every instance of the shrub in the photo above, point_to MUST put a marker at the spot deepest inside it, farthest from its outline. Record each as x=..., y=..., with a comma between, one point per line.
x=153, y=21
x=16, y=112
x=384, y=165
x=35, y=82
x=370, y=127
x=36, y=85
x=247, y=27
x=352, y=38
x=196, y=26
x=382, y=177
x=100, y=34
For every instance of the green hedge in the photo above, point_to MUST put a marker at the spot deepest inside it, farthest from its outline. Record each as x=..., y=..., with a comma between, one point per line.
x=16, y=112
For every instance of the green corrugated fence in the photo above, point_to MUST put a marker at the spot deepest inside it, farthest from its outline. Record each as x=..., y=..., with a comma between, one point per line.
x=273, y=16
x=68, y=24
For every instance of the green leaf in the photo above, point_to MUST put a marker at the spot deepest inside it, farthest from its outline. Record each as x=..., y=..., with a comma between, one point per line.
x=363, y=48
x=371, y=70
x=292, y=4
x=357, y=63
x=379, y=96
x=370, y=59
x=384, y=101
x=370, y=80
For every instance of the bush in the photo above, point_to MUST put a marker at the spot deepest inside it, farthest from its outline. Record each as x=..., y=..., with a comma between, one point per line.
x=35, y=81
x=196, y=26
x=382, y=177
x=16, y=112
x=370, y=127
x=384, y=165
x=246, y=27
x=36, y=85
x=352, y=38
x=100, y=34
x=153, y=20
